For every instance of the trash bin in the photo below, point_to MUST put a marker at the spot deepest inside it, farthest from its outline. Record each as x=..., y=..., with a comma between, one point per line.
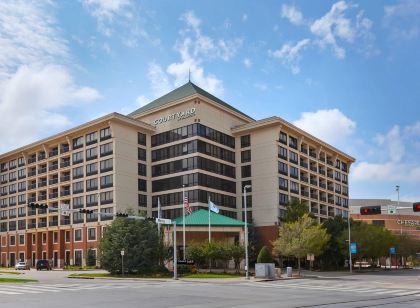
x=289, y=271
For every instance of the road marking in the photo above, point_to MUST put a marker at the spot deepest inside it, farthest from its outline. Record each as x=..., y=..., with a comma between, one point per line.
x=9, y=293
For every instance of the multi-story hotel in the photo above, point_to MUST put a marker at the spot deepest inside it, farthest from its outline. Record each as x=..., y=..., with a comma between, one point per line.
x=186, y=138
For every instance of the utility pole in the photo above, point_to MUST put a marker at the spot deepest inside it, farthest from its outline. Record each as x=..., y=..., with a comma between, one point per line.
x=348, y=226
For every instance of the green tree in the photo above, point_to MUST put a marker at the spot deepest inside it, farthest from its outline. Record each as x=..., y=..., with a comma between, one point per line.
x=333, y=256
x=197, y=253
x=295, y=210
x=138, y=239
x=406, y=246
x=264, y=256
x=90, y=257
x=238, y=253
x=299, y=238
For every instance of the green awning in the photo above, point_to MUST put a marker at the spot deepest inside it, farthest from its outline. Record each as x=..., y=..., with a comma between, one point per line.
x=201, y=218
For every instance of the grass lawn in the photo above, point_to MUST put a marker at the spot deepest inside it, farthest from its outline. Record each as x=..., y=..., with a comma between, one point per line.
x=10, y=273
x=107, y=275
x=6, y=280
x=211, y=275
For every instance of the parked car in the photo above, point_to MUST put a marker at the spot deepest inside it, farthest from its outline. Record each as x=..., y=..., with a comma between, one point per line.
x=43, y=264
x=362, y=264
x=21, y=266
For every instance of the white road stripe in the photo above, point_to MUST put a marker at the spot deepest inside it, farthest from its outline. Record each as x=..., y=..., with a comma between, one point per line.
x=9, y=293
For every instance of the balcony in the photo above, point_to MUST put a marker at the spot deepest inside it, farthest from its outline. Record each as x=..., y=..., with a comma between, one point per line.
x=321, y=171
x=31, y=225
x=322, y=158
x=91, y=157
x=65, y=221
x=314, y=196
x=31, y=186
x=91, y=172
x=330, y=175
x=323, y=212
x=31, y=173
x=53, y=223
x=106, y=153
x=31, y=160
x=329, y=162
x=64, y=193
x=31, y=199
x=322, y=185
x=22, y=176
x=65, y=164
x=304, y=164
x=314, y=182
x=304, y=193
x=77, y=161
x=53, y=167
x=312, y=154
x=92, y=188
x=42, y=170
x=304, y=178
x=42, y=224
x=78, y=191
x=323, y=198
x=77, y=176
x=106, y=169
x=42, y=197
x=42, y=156
x=65, y=178
x=77, y=146
x=53, y=195
x=294, y=191
x=53, y=181
x=331, y=201
x=31, y=212
x=64, y=149
x=53, y=153
x=330, y=188
x=42, y=184
x=106, y=137
x=91, y=142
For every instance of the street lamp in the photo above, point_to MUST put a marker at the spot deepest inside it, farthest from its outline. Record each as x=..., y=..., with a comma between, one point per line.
x=246, y=233
x=397, y=188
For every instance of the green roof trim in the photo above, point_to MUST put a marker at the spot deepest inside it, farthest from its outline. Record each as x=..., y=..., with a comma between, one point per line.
x=201, y=218
x=186, y=90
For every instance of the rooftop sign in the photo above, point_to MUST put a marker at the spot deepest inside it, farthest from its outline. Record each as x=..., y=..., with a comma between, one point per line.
x=175, y=116
x=408, y=222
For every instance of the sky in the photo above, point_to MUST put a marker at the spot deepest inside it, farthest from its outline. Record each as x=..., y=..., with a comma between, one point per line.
x=345, y=71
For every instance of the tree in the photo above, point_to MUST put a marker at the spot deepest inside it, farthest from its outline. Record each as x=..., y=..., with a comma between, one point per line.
x=300, y=238
x=333, y=256
x=295, y=210
x=264, y=256
x=138, y=239
x=406, y=246
x=90, y=257
x=237, y=252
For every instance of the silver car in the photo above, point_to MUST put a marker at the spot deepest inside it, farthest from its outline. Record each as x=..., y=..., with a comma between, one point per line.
x=21, y=266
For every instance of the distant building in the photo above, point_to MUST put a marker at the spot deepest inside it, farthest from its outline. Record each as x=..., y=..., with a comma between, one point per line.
x=188, y=138
x=404, y=220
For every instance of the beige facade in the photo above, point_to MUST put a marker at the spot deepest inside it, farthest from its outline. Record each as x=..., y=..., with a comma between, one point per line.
x=186, y=138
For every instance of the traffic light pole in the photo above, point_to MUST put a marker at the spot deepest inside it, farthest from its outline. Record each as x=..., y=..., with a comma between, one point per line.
x=175, y=256
x=350, y=261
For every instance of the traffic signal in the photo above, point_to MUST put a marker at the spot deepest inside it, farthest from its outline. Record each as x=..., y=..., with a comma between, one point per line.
x=85, y=211
x=34, y=205
x=121, y=215
x=416, y=207
x=370, y=210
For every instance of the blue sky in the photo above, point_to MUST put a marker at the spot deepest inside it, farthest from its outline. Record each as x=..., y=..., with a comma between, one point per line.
x=345, y=71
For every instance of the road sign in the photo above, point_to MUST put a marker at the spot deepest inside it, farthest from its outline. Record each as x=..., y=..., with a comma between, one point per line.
x=310, y=257
x=163, y=221
x=122, y=252
x=353, y=248
x=392, y=250
x=392, y=209
x=64, y=209
x=185, y=262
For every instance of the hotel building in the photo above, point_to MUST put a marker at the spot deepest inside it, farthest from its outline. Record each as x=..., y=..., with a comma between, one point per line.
x=187, y=138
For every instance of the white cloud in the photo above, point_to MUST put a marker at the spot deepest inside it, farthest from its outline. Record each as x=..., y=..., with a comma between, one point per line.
x=158, y=79
x=247, y=62
x=386, y=172
x=142, y=101
x=290, y=54
x=402, y=19
x=34, y=83
x=330, y=125
x=292, y=14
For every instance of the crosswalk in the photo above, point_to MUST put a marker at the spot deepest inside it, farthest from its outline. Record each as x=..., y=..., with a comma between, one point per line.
x=35, y=288
x=339, y=286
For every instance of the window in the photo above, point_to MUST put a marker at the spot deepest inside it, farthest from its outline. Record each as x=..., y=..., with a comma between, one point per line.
x=283, y=199
x=21, y=186
x=244, y=183
x=142, y=169
x=91, y=153
x=78, y=218
x=91, y=184
x=21, y=239
x=378, y=222
x=107, y=197
x=142, y=185
x=245, y=141
x=77, y=172
x=246, y=156
x=21, y=173
x=77, y=202
x=105, y=133
x=55, y=237
x=78, y=187
x=33, y=239
x=293, y=142
x=294, y=172
x=77, y=157
x=282, y=153
x=293, y=157
x=141, y=154
x=141, y=139
x=78, y=257
x=294, y=187
x=21, y=161
x=78, y=235
x=246, y=171
x=67, y=236
x=142, y=200
x=106, y=181
x=106, y=165
x=91, y=169
x=106, y=149
x=12, y=240
x=283, y=168
x=91, y=138
x=283, y=184
x=91, y=200
x=21, y=199
x=77, y=142
x=44, y=238
x=283, y=137
x=92, y=234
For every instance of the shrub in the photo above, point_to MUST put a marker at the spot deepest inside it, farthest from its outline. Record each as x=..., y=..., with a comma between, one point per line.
x=264, y=256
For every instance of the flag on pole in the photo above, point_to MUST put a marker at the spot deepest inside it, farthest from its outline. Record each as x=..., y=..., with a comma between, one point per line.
x=212, y=207
x=187, y=207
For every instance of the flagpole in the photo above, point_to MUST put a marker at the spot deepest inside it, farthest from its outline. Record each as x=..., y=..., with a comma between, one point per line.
x=208, y=206
x=158, y=224
x=183, y=219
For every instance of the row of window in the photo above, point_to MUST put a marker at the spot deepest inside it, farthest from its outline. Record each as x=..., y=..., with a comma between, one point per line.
x=193, y=196
x=91, y=138
x=105, y=149
x=192, y=130
x=191, y=163
x=193, y=147
x=194, y=179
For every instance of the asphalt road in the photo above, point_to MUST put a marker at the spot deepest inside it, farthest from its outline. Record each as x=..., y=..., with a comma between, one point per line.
x=367, y=290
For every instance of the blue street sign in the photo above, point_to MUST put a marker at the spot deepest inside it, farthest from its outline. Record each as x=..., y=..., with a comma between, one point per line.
x=392, y=250
x=353, y=248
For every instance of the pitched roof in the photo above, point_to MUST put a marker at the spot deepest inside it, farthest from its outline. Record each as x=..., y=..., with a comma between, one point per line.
x=186, y=90
x=201, y=218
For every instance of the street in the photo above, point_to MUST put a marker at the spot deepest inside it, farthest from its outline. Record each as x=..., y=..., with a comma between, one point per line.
x=333, y=290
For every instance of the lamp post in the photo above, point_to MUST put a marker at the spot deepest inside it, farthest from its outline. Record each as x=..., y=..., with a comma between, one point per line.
x=348, y=226
x=397, y=188
x=246, y=233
